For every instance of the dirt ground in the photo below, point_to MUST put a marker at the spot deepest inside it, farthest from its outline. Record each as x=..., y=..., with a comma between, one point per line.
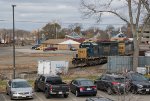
x=26, y=60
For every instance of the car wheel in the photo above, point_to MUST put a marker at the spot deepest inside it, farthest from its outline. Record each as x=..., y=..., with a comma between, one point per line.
x=71, y=91
x=96, y=85
x=36, y=89
x=143, y=92
x=47, y=95
x=65, y=95
x=133, y=91
x=109, y=91
x=94, y=94
x=126, y=92
x=77, y=93
x=6, y=92
x=11, y=97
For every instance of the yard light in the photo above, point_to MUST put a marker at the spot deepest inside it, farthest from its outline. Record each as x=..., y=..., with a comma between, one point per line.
x=14, y=68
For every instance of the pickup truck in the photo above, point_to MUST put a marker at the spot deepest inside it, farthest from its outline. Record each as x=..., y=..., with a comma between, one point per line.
x=51, y=84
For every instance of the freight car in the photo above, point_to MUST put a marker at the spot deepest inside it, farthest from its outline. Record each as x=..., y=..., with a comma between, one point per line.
x=125, y=48
x=95, y=53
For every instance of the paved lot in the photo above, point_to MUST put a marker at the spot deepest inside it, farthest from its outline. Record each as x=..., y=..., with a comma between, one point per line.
x=25, y=55
x=40, y=97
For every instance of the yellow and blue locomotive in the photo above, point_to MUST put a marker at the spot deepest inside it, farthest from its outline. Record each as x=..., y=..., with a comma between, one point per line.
x=95, y=53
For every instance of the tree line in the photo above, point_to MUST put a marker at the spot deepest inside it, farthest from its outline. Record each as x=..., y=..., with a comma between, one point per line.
x=56, y=31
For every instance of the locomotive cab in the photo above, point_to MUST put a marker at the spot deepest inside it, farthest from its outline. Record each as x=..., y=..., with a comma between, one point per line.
x=88, y=54
x=91, y=48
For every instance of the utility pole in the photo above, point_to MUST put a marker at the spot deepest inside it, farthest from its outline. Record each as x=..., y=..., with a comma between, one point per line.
x=56, y=32
x=14, y=68
x=38, y=37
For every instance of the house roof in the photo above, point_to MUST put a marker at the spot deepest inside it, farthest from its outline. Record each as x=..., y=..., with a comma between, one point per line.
x=69, y=42
x=54, y=41
x=74, y=35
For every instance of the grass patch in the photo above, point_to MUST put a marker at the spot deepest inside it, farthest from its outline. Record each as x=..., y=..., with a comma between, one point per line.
x=2, y=85
x=31, y=82
x=68, y=79
x=2, y=82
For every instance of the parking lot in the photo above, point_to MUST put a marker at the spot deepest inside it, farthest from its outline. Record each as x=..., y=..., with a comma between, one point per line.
x=23, y=57
x=39, y=96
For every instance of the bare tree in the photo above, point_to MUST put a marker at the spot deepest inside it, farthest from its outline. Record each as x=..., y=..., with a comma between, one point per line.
x=146, y=3
x=76, y=27
x=50, y=30
x=130, y=11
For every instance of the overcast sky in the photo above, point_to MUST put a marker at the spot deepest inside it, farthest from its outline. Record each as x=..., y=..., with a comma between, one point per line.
x=37, y=13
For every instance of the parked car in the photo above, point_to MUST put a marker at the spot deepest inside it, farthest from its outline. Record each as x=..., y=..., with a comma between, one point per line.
x=73, y=49
x=35, y=46
x=112, y=83
x=98, y=99
x=18, y=89
x=138, y=83
x=40, y=47
x=83, y=86
x=50, y=48
x=51, y=85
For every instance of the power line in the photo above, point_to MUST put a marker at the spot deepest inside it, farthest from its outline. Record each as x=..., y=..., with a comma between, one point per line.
x=2, y=20
x=67, y=23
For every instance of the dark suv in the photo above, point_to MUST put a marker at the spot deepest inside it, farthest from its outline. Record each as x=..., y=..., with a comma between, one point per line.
x=138, y=83
x=112, y=83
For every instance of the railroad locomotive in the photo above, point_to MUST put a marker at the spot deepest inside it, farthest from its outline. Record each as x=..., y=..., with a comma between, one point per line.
x=96, y=53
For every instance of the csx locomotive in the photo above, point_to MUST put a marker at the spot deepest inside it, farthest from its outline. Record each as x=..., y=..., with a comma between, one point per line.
x=95, y=53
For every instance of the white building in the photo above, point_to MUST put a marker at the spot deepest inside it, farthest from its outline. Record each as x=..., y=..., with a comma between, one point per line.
x=146, y=35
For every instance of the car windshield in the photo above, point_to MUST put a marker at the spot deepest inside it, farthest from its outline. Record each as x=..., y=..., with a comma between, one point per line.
x=20, y=84
x=120, y=80
x=86, y=83
x=138, y=77
x=55, y=80
x=95, y=44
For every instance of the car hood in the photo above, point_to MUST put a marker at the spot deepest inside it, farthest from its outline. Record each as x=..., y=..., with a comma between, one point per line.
x=141, y=82
x=28, y=89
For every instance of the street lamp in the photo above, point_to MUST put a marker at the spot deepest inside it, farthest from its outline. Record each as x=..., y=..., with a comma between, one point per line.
x=14, y=68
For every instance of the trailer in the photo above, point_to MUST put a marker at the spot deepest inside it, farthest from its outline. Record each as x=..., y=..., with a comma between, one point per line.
x=52, y=67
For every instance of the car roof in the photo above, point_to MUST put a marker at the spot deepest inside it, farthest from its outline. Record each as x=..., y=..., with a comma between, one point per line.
x=49, y=75
x=132, y=72
x=81, y=79
x=51, y=47
x=115, y=75
x=18, y=80
x=135, y=73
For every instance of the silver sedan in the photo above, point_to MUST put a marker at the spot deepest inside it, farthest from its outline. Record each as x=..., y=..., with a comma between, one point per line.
x=18, y=89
